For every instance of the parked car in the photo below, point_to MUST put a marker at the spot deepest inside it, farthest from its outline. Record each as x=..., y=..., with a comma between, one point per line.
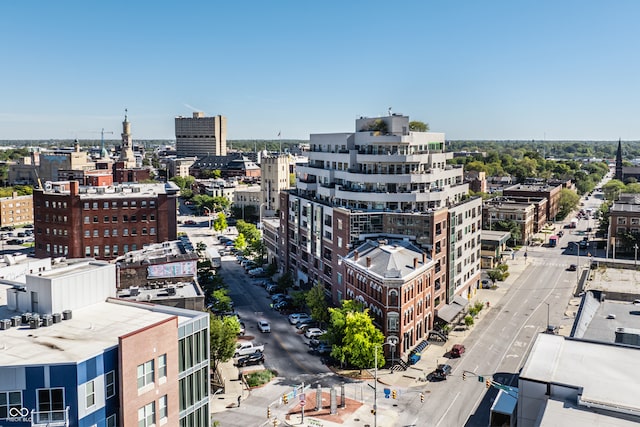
x=457, y=350
x=296, y=317
x=314, y=332
x=441, y=372
x=263, y=326
x=277, y=297
x=283, y=305
x=486, y=284
x=242, y=328
x=252, y=359
x=551, y=329
x=257, y=272
x=304, y=324
x=572, y=267
x=323, y=349
x=190, y=222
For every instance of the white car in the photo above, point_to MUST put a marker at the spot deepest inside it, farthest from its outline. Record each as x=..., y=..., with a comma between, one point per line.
x=296, y=317
x=314, y=333
x=263, y=326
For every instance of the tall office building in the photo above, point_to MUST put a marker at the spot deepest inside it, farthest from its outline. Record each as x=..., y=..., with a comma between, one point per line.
x=201, y=136
x=382, y=181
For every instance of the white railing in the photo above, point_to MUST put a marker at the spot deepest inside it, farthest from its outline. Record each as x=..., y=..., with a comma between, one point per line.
x=58, y=418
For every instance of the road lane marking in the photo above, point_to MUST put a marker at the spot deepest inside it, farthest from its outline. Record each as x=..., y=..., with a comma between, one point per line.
x=448, y=409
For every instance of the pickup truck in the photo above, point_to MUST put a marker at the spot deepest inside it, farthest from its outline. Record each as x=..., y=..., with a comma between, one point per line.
x=246, y=348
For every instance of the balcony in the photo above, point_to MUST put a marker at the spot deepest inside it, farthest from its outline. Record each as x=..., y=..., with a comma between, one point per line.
x=58, y=418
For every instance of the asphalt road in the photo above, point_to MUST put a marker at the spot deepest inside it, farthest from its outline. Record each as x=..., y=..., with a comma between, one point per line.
x=496, y=348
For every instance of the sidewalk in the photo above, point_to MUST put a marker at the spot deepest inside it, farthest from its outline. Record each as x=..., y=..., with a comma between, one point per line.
x=435, y=353
x=431, y=356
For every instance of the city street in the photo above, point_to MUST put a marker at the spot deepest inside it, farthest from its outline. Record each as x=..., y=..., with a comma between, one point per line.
x=540, y=294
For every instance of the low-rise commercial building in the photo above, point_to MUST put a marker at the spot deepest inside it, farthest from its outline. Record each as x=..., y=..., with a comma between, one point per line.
x=75, y=356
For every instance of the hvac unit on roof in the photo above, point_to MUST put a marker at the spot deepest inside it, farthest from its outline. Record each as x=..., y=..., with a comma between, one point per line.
x=5, y=324
x=134, y=291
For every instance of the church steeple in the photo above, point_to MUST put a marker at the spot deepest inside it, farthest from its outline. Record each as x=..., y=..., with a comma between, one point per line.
x=126, y=152
x=619, y=161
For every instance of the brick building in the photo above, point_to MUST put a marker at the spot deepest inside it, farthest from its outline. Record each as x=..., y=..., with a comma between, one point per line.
x=102, y=222
x=394, y=280
x=536, y=191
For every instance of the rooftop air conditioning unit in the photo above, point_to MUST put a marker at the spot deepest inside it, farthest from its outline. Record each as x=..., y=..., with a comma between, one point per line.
x=134, y=292
x=5, y=324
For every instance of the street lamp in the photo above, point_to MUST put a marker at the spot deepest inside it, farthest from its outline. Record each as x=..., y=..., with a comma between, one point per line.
x=392, y=343
x=547, y=315
x=578, y=266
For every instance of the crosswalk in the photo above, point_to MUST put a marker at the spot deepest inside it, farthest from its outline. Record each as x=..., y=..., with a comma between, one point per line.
x=549, y=264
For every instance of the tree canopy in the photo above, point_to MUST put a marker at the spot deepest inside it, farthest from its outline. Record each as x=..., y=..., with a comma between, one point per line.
x=354, y=337
x=222, y=338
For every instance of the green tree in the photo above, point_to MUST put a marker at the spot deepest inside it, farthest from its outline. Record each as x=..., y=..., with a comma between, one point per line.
x=632, y=187
x=567, y=202
x=417, y=126
x=220, y=223
x=612, y=189
x=221, y=300
x=222, y=338
x=511, y=226
x=317, y=302
x=354, y=337
x=240, y=242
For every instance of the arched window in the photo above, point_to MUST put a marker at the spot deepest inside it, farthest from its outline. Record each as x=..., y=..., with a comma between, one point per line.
x=393, y=298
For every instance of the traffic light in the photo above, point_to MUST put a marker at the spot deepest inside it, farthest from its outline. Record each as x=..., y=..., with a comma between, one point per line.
x=268, y=412
x=421, y=397
x=464, y=375
x=394, y=394
x=488, y=383
x=285, y=398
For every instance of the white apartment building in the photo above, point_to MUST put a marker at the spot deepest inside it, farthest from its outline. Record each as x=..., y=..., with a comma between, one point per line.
x=381, y=180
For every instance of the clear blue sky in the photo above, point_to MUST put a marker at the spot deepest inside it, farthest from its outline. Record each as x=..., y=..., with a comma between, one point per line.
x=551, y=69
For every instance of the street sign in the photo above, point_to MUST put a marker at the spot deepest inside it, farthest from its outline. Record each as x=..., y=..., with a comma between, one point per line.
x=387, y=392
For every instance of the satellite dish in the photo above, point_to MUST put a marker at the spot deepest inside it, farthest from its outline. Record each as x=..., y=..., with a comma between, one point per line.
x=48, y=186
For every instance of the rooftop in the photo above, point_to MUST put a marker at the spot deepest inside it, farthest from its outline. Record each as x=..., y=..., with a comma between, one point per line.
x=589, y=366
x=90, y=330
x=389, y=259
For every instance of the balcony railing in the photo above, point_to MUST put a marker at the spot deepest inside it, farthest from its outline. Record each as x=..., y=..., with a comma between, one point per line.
x=59, y=418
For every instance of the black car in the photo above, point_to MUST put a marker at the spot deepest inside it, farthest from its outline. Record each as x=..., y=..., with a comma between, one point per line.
x=252, y=359
x=572, y=267
x=441, y=372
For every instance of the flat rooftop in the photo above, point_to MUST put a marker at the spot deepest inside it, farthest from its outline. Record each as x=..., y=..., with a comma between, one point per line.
x=148, y=293
x=627, y=315
x=606, y=373
x=614, y=280
x=91, y=330
x=560, y=413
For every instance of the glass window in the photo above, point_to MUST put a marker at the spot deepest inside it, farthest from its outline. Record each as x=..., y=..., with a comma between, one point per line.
x=95, y=205
x=95, y=233
x=147, y=415
x=152, y=231
x=114, y=232
x=110, y=383
x=105, y=205
x=162, y=407
x=87, y=233
x=115, y=250
x=86, y=220
x=85, y=205
x=8, y=401
x=50, y=405
x=106, y=232
x=96, y=251
x=162, y=366
x=125, y=231
x=111, y=421
x=106, y=218
x=90, y=393
x=145, y=374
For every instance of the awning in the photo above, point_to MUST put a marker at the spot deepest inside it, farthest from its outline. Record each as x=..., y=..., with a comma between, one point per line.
x=450, y=311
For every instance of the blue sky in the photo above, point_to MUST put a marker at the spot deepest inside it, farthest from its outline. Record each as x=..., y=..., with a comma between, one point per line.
x=472, y=69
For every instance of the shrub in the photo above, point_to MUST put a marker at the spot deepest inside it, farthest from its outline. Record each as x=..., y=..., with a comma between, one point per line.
x=258, y=378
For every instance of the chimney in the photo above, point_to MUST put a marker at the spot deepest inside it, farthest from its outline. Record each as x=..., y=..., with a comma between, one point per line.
x=368, y=262
x=73, y=188
x=415, y=263
x=355, y=255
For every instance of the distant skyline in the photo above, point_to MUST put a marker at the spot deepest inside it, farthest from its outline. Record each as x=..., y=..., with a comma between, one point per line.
x=497, y=70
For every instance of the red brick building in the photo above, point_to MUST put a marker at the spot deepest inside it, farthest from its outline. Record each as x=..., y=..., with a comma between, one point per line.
x=150, y=355
x=394, y=280
x=102, y=222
